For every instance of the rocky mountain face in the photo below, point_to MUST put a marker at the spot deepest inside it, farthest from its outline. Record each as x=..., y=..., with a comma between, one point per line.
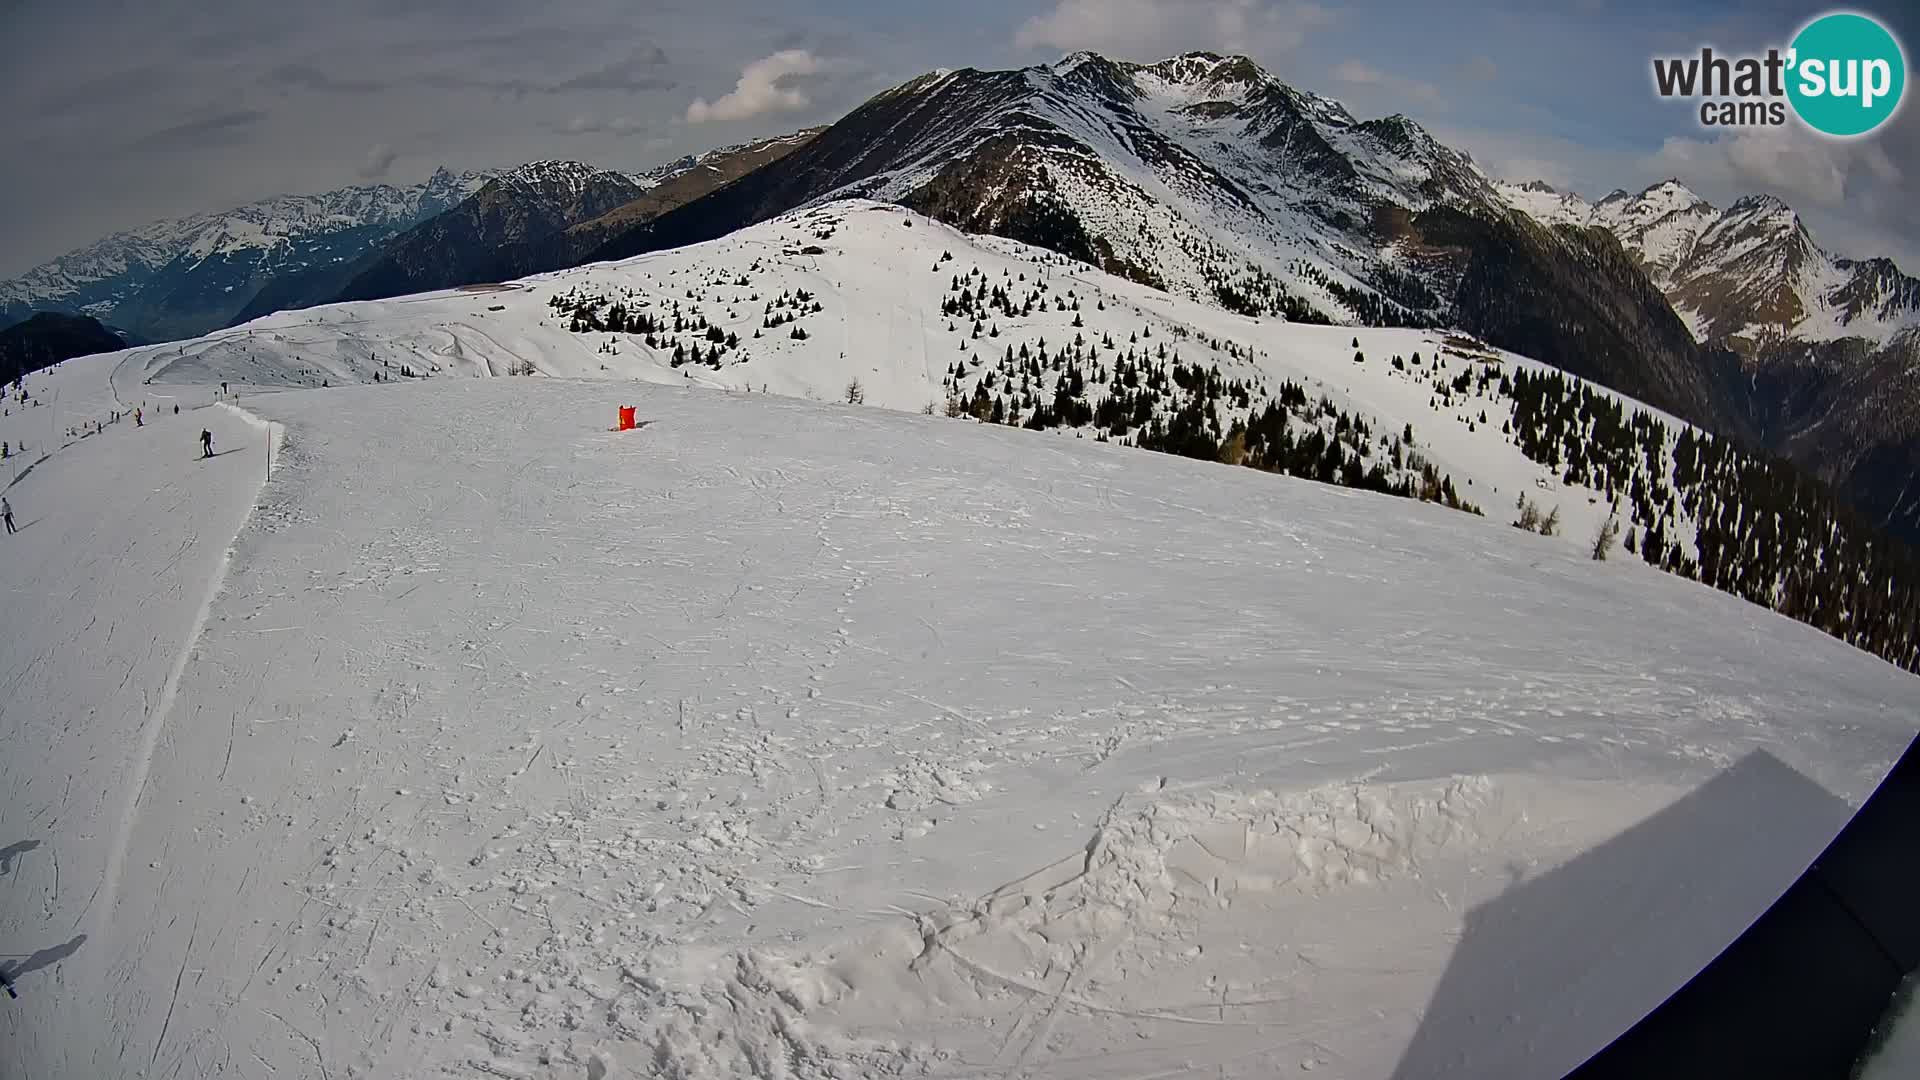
x=1207, y=177
x=669, y=188
x=49, y=337
x=186, y=276
x=1749, y=275
x=521, y=227
x=512, y=211
x=1828, y=347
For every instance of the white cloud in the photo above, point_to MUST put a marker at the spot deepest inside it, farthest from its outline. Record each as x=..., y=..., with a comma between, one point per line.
x=760, y=90
x=1853, y=194
x=1784, y=162
x=1153, y=29
x=1564, y=163
x=379, y=162
x=1525, y=168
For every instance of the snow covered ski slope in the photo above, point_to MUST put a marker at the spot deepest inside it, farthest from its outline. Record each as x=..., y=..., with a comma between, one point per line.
x=918, y=313
x=789, y=739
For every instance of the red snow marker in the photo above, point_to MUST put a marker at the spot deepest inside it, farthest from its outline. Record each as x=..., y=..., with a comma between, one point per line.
x=626, y=418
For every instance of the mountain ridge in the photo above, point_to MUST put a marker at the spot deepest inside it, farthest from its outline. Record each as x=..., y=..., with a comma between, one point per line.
x=181, y=276
x=1826, y=345
x=461, y=246
x=547, y=215
x=1711, y=259
x=1204, y=175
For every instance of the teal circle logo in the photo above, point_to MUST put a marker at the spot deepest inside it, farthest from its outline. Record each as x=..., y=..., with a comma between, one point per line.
x=1847, y=74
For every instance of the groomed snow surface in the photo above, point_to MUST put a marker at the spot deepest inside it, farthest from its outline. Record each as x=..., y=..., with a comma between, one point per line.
x=788, y=739
x=785, y=739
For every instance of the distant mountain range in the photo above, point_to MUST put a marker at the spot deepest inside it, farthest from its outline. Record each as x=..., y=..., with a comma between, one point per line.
x=1206, y=176
x=689, y=179
x=513, y=209
x=183, y=277
x=186, y=276
x=546, y=216
x=1750, y=275
x=1829, y=346
x=1202, y=175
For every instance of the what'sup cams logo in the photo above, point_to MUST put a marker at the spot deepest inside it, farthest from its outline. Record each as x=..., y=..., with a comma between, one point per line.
x=1843, y=75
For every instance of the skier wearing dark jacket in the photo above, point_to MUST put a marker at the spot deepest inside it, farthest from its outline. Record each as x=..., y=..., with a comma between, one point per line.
x=206, y=443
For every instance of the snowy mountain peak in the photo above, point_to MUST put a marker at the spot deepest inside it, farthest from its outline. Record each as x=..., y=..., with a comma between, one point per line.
x=1091, y=75
x=556, y=176
x=1760, y=221
x=1749, y=275
x=1185, y=79
x=1546, y=203
x=1654, y=203
x=1400, y=132
x=1659, y=225
x=1764, y=206
x=1209, y=68
x=1671, y=192
x=1066, y=64
x=186, y=275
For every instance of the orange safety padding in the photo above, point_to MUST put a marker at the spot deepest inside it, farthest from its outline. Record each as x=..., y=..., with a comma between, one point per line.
x=626, y=418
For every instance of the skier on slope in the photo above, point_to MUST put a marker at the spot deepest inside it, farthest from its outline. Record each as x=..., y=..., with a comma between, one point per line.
x=6, y=513
x=206, y=443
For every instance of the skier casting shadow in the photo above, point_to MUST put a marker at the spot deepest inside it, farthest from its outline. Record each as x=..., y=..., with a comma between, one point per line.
x=11, y=972
x=206, y=443
x=13, y=851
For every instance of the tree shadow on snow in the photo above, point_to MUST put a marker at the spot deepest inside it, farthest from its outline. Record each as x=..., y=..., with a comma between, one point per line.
x=13, y=851
x=1547, y=973
x=43, y=959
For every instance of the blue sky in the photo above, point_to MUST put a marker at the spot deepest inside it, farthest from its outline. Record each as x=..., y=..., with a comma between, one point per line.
x=121, y=112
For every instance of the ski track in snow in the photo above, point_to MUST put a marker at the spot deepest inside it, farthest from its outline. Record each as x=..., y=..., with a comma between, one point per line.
x=123, y=536
x=225, y=436
x=792, y=740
